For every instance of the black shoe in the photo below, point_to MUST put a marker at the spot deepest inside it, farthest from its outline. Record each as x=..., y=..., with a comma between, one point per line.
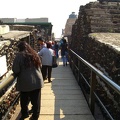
x=30, y=111
x=66, y=63
x=49, y=80
x=23, y=117
x=33, y=118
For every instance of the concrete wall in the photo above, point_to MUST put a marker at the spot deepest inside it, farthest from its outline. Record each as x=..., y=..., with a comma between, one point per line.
x=68, y=26
x=4, y=29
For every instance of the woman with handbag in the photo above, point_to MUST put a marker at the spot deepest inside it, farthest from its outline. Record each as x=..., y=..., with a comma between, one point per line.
x=26, y=66
x=47, y=59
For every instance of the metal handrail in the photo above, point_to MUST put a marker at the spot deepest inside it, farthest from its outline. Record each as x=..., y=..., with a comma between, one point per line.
x=6, y=82
x=94, y=72
x=99, y=73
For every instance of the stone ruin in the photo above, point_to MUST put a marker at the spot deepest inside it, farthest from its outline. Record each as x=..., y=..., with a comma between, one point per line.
x=103, y=47
x=95, y=37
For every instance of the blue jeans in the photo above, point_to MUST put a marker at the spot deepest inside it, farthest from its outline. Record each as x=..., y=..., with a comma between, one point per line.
x=56, y=52
x=64, y=58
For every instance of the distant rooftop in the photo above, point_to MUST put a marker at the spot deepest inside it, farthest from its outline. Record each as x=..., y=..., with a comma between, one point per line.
x=72, y=15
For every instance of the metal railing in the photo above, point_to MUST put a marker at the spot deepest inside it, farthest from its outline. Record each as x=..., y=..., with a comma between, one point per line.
x=6, y=82
x=8, y=94
x=78, y=65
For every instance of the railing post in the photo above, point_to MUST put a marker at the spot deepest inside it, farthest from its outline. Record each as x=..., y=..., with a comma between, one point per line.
x=70, y=58
x=78, y=72
x=92, y=89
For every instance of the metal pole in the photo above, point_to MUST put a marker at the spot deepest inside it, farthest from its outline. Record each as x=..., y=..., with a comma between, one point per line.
x=92, y=89
x=6, y=82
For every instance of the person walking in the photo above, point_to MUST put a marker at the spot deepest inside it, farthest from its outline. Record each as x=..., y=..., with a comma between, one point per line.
x=64, y=52
x=26, y=67
x=41, y=43
x=56, y=48
x=46, y=54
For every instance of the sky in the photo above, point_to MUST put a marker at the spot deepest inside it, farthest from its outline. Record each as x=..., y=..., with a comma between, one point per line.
x=57, y=11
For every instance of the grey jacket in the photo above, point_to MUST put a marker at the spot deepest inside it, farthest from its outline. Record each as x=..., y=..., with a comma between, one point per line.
x=27, y=79
x=46, y=54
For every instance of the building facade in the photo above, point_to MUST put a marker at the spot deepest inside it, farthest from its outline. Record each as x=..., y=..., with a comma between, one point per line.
x=7, y=20
x=70, y=21
x=36, y=20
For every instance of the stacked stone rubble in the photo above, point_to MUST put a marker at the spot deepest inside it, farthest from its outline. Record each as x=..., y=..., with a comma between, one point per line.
x=8, y=47
x=96, y=18
x=7, y=98
x=8, y=95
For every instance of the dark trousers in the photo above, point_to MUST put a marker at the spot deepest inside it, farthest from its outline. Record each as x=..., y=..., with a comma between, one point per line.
x=46, y=70
x=35, y=98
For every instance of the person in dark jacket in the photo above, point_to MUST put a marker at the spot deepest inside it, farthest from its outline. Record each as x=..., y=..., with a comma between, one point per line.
x=56, y=48
x=64, y=52
x=26, y=66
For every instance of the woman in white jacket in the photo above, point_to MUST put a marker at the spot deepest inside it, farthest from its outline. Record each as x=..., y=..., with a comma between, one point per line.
x=46, y=54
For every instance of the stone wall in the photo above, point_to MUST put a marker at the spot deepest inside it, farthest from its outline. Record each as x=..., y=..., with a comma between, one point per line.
x=95, y=37
x=103, y=51
x=99, y=48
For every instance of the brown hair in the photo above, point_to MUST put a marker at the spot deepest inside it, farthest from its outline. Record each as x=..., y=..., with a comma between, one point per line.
x=30, y=55
x=49, y=45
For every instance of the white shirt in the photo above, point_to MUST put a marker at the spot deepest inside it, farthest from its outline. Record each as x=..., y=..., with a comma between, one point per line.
x=46, y=54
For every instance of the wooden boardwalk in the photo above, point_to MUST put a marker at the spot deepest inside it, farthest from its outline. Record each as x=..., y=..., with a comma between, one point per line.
x=62, y=99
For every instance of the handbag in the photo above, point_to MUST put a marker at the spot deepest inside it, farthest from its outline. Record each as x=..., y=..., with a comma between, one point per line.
x=54, y=62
